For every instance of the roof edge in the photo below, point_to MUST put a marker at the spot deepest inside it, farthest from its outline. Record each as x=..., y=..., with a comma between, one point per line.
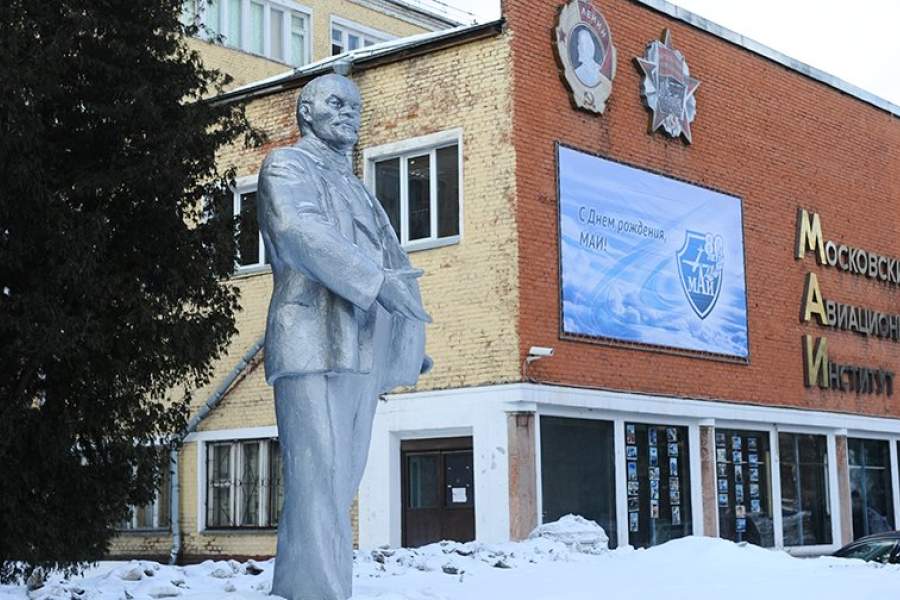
x=413, y=13
x=364, y=58
x=698, y=22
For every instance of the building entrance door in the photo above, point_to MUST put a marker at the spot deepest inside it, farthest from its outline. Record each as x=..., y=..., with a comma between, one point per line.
x=438, y=491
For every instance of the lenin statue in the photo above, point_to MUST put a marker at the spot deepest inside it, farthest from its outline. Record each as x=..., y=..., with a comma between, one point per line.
x=345, y=324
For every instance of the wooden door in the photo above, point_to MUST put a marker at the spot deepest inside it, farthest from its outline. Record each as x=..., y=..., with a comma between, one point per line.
x=438, y=491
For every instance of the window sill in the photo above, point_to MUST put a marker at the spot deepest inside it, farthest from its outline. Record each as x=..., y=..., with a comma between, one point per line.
x=245, y=272
x=240, y=531
x=430, y=244
x=145, y=532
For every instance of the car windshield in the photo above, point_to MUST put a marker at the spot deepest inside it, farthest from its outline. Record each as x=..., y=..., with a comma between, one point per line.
x=876, y=550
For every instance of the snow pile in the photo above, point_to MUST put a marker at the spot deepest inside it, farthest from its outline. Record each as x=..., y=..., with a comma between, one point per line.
x=453, y=558
x=145, y=580
x=546, y=567
x=576, y=532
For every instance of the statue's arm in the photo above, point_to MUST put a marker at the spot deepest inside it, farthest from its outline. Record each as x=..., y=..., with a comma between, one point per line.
x=305, y=238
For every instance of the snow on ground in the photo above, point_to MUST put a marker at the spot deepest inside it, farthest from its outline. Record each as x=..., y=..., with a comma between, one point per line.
x=542, y=568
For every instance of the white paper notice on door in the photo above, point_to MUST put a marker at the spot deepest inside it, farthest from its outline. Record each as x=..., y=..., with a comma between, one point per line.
x=459, y=495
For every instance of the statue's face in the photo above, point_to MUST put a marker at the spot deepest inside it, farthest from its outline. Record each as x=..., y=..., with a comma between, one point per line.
x=334, y=114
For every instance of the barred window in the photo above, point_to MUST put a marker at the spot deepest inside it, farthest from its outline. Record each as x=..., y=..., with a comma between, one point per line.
x=243, y=484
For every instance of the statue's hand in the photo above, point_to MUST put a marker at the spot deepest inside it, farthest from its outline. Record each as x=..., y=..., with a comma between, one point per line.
x=427, y=364
x=395, y=295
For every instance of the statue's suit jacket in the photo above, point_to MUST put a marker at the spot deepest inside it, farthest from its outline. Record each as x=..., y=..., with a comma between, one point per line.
x=329, y=242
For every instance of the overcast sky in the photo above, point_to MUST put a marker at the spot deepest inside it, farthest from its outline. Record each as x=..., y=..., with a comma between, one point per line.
x=857, y=41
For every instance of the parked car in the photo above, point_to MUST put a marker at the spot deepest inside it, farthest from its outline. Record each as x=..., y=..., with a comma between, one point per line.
x=880, y=547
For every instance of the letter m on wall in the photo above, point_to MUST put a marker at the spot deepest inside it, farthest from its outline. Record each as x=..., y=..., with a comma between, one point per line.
x=809, y=235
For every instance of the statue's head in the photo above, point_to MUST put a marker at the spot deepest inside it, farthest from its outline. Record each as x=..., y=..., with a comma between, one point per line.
x=329, y=109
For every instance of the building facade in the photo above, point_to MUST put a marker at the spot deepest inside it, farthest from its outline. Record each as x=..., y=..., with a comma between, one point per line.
x=255, y=39
x=669, y=307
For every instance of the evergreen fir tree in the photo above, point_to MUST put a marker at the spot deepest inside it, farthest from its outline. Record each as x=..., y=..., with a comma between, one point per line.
x=114, y=263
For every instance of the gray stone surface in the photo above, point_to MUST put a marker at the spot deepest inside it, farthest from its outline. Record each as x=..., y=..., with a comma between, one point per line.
x=346, y=323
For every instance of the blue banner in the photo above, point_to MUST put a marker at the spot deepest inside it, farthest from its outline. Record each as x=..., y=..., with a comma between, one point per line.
x=650, y=260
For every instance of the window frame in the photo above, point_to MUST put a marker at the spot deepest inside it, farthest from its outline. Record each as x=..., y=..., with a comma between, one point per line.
x=156, y=507
x=288, y=7
x=619, y=420
x=404, y=150
x=247, y=185
x=773, y=473
x=347, y=28
x=890, y=470
x=236, y=490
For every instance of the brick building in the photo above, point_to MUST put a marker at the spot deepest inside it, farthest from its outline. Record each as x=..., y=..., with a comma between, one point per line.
x=723, y=314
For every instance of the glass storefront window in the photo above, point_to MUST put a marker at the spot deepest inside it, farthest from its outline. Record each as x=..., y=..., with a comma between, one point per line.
x=743, y=481
x=870, y=486
x=578, y=471
x=805, y=506
x=657, y=483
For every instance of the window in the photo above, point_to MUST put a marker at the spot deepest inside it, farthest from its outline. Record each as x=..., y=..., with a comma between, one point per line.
x=419, y=184
x=805, y=506
x=243, y=484
x=870, y=487
x=276, y=29
x=658, y=483
x=743, y=493
x=250, y=248
x=155, y=515
x=578, y=471
x=346, y=36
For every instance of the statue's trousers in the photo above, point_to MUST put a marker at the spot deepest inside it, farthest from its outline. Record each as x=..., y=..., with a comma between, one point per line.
x=324, y=429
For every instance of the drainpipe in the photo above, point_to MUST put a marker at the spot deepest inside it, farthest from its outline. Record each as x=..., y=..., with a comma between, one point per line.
x=208, y=406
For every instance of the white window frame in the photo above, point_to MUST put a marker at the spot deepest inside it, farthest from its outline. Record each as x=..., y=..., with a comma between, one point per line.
x=287, y=6
x=347, y=27
x=247, y=185
x=235, y=438
x=415, y=147
x=131, y=525
x=892, y=441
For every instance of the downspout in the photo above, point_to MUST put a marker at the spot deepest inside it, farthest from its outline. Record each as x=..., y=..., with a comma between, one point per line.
x=208, y=406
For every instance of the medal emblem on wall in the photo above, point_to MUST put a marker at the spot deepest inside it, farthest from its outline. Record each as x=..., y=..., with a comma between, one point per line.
x=668, y=88
x=585, y=51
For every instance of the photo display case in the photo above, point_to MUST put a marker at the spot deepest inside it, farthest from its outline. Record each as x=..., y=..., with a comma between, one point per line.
x=743, y=486
x=658, y=483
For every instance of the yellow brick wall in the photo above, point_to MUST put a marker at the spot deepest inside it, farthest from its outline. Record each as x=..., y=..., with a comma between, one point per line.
x=470, y=288
x=243, y=67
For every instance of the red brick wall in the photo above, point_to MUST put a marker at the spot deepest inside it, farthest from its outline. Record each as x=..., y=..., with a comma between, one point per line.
x=765, y=133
